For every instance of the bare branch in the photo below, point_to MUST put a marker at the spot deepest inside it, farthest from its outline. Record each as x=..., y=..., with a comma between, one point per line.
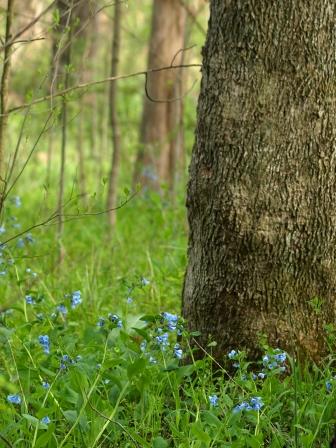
x=27, y=27
x=52, y=219
x=96, y=83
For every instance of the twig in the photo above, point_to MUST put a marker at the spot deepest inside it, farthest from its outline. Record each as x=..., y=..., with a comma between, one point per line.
x=71, y=217
x=113, y=421
x=27, y=27
x=7, y=442
x=95, y=83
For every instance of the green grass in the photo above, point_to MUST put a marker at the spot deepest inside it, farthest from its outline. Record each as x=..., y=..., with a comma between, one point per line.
x=115, y=395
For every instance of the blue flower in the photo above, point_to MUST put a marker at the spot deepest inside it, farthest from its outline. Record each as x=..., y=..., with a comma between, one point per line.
x=114, y=318
x=152, y=360
x=16, y=200
x=256, y=403
x=75, y=299
x=232, y=354
x=2, y=230
x=62, y=309
x=171, y=320
x=328, y=385
x=2, y=273
x=44, y=341
x=144, y=281
x=162, y=340
x=213, y=399
x=101, y=322
x=129, y=300
x=178, y=353
x=261, y=375
x=45, y=385
x=29, y=238
x=15, y=399
x=280, y=357
x=20, y=243
x=244, y=406
x=29, y=300
x=143, y=345
x=45, y=420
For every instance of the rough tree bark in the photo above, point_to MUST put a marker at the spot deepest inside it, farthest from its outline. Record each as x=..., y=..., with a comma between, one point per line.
x=262, y=190
x=160, y=142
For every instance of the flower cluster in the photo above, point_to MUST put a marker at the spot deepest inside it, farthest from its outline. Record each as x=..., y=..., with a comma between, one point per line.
x=113, y=318
x=275, y=360
x=213, y=400
x=67, y=361
x=45, y=342
x=75, y=299
x=255, y=404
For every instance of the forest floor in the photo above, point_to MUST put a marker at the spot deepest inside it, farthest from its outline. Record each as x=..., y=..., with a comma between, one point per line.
x=94, y=352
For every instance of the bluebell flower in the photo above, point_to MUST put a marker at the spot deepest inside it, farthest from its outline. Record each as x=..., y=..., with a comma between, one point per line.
x=236, y=365
x=62, y=309
x=16, y=200
x=152, y=360
x=213, y=400
x=14, y=398
x=29, y=238
x=178, y=353
x=256, y=403
x=162, y=340
x=45, y=420
x=143, y=345
x=44, y=341
x=244, y=406
x=75, y=299
x=101, y=322
x=39, y=316
x=144, y=281
x=3, y=273
x=328, y=385
x=20, y=243
x=78, y=358
x=232, y=354
x=114, y=318
x=280, y=357
x=129, y=300
x=2, y=230
x=29, y=300
x=45, y=385
x=171, y=320
x=261, y=375
x=66, y=358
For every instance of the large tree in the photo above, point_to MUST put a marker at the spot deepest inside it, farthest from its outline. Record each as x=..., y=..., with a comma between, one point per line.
x=262, y=190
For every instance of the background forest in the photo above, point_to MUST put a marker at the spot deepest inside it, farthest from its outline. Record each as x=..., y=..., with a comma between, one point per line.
x=94, y=352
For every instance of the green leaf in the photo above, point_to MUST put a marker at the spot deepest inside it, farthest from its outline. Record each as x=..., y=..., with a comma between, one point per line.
x=33, y=420
x=199, y=433
x=159, y=442
x=136, y=367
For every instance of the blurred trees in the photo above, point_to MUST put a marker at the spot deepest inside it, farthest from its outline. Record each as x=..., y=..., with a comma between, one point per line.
x=161, y=142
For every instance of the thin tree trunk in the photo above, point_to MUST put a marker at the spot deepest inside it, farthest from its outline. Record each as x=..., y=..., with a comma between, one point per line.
x=115, y=164
x=159, y=129
x=65, y=63
x=4, y=95
x=262, y=190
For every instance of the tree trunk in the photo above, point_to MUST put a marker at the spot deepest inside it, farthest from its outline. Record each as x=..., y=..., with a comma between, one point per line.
x=114, y=123
x=4, y=95
x=159, y=134
x=262, y=187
